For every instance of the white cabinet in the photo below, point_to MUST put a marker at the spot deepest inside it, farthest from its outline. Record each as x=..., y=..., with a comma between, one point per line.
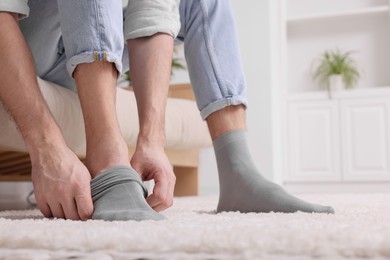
x=314, y=147
x=366, y=138
x=345, y=139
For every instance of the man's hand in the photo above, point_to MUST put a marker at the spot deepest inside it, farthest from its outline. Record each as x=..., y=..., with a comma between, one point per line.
x=61, y=183
x=152, y=163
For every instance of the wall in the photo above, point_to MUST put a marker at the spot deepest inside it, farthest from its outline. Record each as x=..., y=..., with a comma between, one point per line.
x=258, y=30
x=357, y=26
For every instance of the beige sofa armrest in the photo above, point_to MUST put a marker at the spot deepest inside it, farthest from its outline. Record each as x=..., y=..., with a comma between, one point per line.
x=183, y=91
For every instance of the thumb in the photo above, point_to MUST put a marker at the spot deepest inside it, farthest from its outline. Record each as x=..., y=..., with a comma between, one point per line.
x=84, y=205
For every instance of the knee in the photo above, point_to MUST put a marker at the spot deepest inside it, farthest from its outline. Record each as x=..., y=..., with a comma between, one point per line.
x=143, y=18
x=194, y=12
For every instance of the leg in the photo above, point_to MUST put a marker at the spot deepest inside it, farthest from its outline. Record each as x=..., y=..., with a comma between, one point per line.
x=226, y=120
x=117, y=190
x=242, y=187
x=51, y=65
x=216, y=73
x=211, y=51
x=150, y=27
x=49, y=54
x=105, y=144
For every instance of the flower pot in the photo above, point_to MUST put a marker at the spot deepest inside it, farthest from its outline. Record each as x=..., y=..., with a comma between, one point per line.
x=336, y=83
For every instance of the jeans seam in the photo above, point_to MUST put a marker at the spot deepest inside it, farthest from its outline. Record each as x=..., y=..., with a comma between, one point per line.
x=210, y=49
x=98, y=29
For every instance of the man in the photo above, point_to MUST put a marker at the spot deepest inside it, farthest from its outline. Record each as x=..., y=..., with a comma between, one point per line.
x=207, y=29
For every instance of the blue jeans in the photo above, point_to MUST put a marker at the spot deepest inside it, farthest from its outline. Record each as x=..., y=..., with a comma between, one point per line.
x=60, y=38
x=212, y=54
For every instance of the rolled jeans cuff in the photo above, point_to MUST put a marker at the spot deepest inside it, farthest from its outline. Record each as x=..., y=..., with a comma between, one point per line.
x=169, y=29
x=148, y=17
x=222, y=103
x=15, y=6
x=88, y=57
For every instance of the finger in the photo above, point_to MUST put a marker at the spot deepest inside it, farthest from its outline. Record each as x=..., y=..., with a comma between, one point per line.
x=84, y=205
x=57, y=210
x=70, y=210
x=171, y=191
x=152, y=200
x=160, y=207
x=136, y=167
x=43, y=206
x=159, y=193
x=167, y=203
x=45, y=209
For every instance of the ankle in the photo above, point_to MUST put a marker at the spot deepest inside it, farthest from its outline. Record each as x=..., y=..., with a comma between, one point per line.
x=226, y=120
x=105, y=155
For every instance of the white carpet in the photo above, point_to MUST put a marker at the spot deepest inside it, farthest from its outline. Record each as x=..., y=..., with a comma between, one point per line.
x=359, y=229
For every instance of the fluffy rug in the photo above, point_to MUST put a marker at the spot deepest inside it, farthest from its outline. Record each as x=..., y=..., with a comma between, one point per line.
x=359, y=229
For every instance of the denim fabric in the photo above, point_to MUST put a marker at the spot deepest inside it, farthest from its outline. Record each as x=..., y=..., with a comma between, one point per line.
x=147, y=17
x=92, y=31
x=42, y=31
x=15, y=6
x=212, y=54
x=62, y=34
x=207, y=30
x=214, y=64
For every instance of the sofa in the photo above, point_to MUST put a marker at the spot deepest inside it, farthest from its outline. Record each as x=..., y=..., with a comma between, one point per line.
x=186, y=133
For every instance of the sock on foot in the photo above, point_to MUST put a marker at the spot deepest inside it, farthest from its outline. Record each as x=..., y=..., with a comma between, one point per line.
x=242, y=188
x=119, y=194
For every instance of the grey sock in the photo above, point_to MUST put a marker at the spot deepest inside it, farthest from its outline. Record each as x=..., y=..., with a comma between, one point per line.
x=119, y=194
x=242, y=188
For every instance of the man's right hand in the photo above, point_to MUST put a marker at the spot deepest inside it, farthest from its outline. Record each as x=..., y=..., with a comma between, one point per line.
x=61, y=183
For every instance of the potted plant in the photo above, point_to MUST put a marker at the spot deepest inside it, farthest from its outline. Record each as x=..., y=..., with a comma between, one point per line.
x=336, y=70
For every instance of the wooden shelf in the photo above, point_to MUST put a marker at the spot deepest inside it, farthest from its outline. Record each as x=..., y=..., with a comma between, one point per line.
x=383, y=9
x=15, y=166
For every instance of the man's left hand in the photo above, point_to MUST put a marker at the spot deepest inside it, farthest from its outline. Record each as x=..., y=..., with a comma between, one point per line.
x=153, y=164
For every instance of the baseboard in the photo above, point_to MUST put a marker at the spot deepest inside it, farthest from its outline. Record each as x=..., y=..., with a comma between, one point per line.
x=337, y=187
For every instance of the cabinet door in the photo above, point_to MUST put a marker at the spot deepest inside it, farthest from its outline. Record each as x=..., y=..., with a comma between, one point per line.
x=366, y=139
x=313, y=141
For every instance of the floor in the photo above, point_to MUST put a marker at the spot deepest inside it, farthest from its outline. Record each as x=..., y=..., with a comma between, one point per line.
x=359, y=229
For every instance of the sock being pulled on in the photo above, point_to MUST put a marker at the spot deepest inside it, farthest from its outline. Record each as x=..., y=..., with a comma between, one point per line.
x=244, y=189
x=119, y=194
